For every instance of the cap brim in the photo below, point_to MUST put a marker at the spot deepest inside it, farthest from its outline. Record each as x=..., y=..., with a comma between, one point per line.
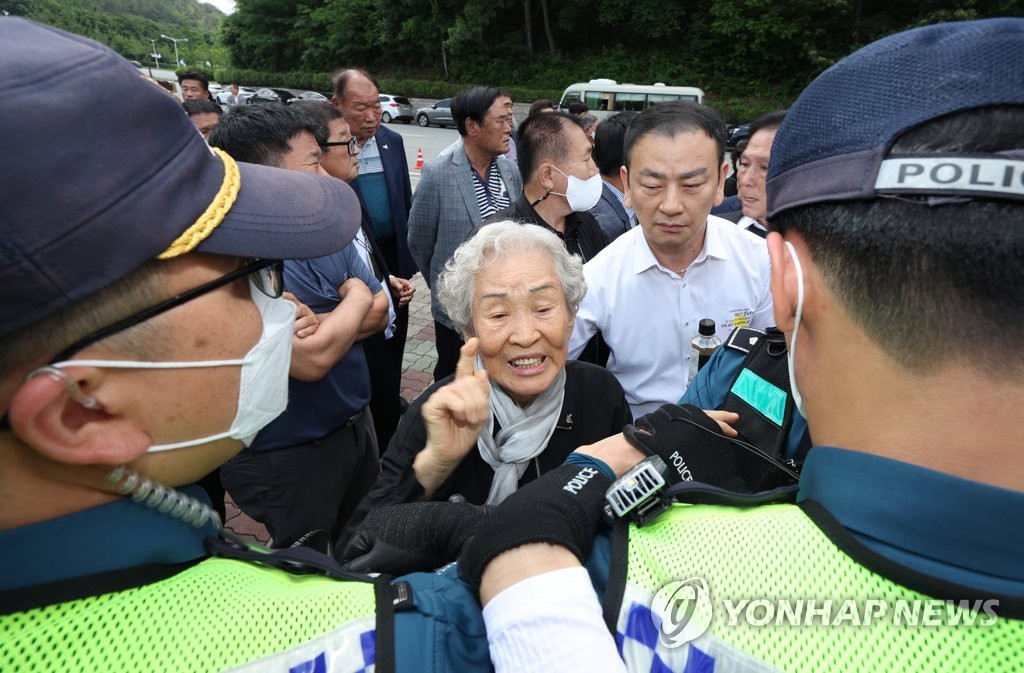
x=284, y=214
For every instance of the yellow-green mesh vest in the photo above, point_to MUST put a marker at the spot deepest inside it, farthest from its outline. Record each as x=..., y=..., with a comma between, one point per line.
x=216, y=615
x=777, y=552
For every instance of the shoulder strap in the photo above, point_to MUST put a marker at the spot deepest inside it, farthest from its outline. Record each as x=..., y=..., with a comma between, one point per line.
x=744, y=339
x=760, y=392
x=294, y=560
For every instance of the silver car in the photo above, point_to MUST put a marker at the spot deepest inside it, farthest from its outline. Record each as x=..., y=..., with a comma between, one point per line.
x=439, y=113
x=395, y=108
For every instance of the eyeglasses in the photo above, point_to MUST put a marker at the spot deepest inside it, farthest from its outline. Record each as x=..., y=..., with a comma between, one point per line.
x=353, y=146
x=265, y=274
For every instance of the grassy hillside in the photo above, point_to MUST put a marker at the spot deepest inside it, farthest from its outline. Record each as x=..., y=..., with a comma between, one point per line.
x=128, y=26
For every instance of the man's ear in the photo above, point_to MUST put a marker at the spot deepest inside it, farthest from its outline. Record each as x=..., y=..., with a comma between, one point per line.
x=783, y=282
x=624, y=175
x=723, y=173
x=545, y=175
x=48, y=415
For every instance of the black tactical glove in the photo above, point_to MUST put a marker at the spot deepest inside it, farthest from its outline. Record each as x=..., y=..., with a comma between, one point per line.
x=411, y=537
x=694, y=449
x=563, y=507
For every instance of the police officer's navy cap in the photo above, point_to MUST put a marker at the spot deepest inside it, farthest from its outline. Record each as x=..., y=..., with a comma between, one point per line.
x=102, y=170
x=833, y=143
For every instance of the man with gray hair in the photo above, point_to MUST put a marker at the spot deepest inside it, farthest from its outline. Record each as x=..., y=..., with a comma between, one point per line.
x=385, y=191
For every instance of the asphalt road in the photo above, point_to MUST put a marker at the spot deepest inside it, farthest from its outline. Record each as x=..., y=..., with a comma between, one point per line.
x=431, y=140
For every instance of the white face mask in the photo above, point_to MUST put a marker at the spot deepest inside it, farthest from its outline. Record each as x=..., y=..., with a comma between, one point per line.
x=582, y=194
x=263, y=385
x=790, y=359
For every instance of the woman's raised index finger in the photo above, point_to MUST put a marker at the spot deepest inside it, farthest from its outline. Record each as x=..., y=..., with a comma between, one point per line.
x=467, y=358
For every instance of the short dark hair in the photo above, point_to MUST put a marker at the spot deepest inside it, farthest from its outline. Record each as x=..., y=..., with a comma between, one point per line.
x=473, y=103
x=139, y=289
x=737, y=154
x=768, y=121
x=608, y=142
x=542, y=136
x=672, y=118
x=260, y=133
x=320, y=114
x=342, y=76
x=540, y=105
x=198, y=76
x=196, y=107
x=578, y=107
x=930, y=282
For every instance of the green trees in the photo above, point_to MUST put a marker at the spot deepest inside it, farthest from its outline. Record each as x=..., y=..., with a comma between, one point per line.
x=758, y=51
x=127, y=26
x=748, y=55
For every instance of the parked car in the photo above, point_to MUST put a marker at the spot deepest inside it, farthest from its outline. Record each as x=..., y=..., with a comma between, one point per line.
x=439, y=113
x=395, y=108
x=314, y=96
x=245, y=93
x=267, y=95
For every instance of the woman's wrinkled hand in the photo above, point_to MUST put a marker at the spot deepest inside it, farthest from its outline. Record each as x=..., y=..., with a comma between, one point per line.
x=454, y=416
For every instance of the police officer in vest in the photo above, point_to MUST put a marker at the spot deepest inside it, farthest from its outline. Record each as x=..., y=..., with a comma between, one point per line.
x=144, y=341
x=895, y=202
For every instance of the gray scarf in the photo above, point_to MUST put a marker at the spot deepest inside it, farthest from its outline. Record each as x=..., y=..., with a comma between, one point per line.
x=523, y=436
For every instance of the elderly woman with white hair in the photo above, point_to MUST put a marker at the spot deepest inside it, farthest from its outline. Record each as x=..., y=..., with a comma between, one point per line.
x=516, y=406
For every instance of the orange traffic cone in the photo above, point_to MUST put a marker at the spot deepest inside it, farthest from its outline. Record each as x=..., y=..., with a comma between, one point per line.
x=419, y=159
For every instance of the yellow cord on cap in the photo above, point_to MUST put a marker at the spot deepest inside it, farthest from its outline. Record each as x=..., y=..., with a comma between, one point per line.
x=214, y=213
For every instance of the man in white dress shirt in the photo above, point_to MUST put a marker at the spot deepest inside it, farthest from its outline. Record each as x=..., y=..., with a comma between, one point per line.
x=648, y=289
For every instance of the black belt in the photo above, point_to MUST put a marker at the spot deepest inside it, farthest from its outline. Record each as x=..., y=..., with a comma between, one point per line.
x=354, y=417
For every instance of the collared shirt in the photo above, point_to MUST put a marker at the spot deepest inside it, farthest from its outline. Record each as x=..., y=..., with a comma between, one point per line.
x=374, y=189
x=491, y=195
x=955, y=529
x=366, y=254
x=648, y=314
x=752, y=225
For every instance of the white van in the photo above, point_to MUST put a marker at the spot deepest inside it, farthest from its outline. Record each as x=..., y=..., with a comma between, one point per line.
x=605, y=97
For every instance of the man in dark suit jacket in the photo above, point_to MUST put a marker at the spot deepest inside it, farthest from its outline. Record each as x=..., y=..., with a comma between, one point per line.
x=386, y=194
x=610, y=212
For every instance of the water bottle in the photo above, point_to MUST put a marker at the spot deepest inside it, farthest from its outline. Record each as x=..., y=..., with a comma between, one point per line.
x=702, y=347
